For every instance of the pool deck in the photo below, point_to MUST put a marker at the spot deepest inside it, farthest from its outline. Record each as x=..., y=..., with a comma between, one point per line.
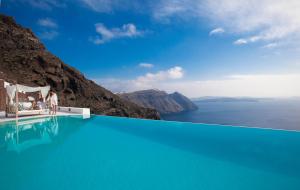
x=4, y=119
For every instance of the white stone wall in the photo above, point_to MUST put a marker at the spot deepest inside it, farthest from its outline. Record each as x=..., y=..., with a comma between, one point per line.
x=2, y=114
x=82, y=111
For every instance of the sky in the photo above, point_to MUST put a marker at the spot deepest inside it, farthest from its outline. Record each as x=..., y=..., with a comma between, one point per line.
x=248, y=48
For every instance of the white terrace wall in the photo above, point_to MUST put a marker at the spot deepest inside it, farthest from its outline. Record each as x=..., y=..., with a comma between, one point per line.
x=82, y=111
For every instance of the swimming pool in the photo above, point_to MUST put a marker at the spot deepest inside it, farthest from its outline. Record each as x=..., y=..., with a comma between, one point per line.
x=111, y=153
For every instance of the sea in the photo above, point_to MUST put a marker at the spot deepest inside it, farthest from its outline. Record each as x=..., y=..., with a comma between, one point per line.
x=283, y=113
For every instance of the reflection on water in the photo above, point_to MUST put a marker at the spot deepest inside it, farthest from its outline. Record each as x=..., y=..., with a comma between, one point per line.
x=120, y=153
x=26, y=134
x=27, y=146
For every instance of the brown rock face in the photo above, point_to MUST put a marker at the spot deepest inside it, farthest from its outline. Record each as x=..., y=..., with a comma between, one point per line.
x=2, y=95
x=25, y=60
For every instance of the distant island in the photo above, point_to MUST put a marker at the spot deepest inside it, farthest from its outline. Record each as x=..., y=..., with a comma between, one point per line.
x=163, y=102
x=227, y=99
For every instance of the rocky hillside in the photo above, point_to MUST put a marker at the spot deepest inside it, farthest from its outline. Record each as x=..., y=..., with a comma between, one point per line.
x=183, y=101
x=161, y=101
x=25, y=60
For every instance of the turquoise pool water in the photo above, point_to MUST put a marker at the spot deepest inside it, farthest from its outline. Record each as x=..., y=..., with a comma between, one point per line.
x=111, y=153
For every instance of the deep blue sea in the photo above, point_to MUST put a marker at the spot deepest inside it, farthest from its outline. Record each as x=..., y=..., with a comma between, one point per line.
x=265, y=113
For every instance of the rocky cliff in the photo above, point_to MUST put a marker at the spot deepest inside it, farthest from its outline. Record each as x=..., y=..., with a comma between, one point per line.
x=25, y=60
x=183, y=101
x=161, y=101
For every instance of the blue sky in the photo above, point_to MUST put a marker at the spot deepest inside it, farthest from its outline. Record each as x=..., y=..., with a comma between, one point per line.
x=199, y=48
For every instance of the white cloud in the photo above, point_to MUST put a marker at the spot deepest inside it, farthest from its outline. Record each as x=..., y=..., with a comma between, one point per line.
x=109, y=6
x=243, y=85
x=107, y=34
x=172, y=73
x=162, y=10
x=268, y=85
x=256, y=20
x=252, y=20
x=43, y=4
x=147, y=81
x=49, y=29
x=99, y=5
x=240, y=42
x=48, y=35
x=175, y=73
x=146, y=65
x=47, y=22
x=270, y=46
x=216, y=31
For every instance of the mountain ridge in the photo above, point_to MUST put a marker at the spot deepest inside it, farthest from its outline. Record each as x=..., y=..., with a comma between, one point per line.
x=163, y=102
x=25, y=60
